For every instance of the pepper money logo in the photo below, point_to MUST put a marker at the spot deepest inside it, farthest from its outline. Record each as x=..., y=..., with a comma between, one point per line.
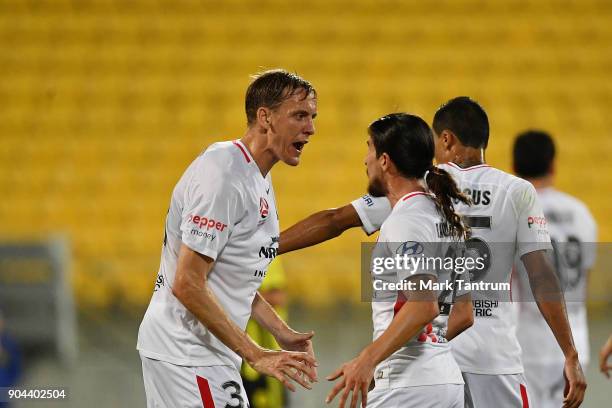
x=540, y=221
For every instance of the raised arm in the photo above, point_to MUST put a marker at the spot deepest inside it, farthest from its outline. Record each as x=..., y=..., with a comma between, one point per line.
x=319, y=227
x=549, y=297
x=191, y=289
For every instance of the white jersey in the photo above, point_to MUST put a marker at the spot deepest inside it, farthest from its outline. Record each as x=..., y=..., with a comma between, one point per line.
x=411, y=230
x=507, y=221
x=574, y=233
x=222, y=207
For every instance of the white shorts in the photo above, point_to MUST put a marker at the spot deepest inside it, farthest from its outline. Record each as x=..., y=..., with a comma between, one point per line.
x=546, y=383
x=424, y=396
x=169, y=386
x=504, y=390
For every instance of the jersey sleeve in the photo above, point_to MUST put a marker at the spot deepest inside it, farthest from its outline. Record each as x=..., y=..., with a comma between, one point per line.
x=372, y=211
x=532, y=232
x=212, y=207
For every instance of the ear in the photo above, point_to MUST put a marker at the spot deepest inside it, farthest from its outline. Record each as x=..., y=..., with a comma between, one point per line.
x=384, y=161
x=263, y=117
x=553, y=167
x=448, y=139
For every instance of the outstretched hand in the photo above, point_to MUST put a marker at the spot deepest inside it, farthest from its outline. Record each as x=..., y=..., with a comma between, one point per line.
x=285, y=365
x=354, y=376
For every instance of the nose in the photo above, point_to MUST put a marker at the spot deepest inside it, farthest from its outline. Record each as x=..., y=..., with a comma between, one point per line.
x=310, y=128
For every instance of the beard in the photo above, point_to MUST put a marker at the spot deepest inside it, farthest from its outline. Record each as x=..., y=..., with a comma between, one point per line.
x=376, y=188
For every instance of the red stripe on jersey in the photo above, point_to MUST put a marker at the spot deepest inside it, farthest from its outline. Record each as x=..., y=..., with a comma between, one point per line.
x=479, y=166
x=246, y=156
x=401, y=300
x=207, y=398
x=524, y=396
x=413, y=194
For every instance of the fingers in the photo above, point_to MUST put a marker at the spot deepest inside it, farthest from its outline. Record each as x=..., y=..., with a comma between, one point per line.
x=302, y=356
x=332, y=394
x=345, y=394
x=303, y=369
x=335, y=374
x=304, y=336
x=280, y=377
x=364, y=395
x=575, y=395
x=295, y=377
x=605, y=369
x=355, y=396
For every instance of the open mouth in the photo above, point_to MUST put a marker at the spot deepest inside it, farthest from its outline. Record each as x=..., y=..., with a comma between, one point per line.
x=299, y=146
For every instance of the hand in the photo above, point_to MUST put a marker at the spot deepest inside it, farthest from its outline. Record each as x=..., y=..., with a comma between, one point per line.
x=575, y=384
x=357, y=375
x=295, y=341
x=283, y=365
x=604, y=354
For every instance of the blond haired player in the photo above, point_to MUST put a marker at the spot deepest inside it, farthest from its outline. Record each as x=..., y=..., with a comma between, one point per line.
x=221, y=233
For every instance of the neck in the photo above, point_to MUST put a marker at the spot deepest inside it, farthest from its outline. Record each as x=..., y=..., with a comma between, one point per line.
x=257, y=144
x=541, y=182
x=470, y=157
x=398, y=186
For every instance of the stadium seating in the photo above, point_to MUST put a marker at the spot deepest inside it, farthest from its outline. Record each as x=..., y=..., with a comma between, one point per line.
x=104, y=103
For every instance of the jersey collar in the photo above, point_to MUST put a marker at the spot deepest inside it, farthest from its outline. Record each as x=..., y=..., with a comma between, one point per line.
x=407, y=197
x=478, y=166
x=245, y=152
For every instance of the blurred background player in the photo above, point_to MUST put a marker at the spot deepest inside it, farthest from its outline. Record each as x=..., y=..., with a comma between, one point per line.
x=412, y=366
x=221, y=234
x=265, y=391
x=573, y=232
x=503, y=217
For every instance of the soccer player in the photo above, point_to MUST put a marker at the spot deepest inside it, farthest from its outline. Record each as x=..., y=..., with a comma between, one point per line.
x=413, y=363
x=505, y=212
x=221, y=233
x=573, y=232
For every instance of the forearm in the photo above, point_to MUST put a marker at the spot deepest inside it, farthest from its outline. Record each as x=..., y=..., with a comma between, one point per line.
x=408, y=322
x=197, y=297
x=461, y=317
x=267, y=317
x=550, y=300
x=317, y=228
x=555, y=314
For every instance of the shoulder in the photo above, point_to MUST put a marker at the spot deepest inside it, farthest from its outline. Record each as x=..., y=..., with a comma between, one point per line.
x=412, y=220
x=218, y=168
x=571, y=203
x=220, y=161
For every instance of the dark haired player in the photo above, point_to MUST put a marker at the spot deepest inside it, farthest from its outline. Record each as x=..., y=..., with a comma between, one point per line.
x=505, y=218
x=222, y=218
x=410, y=353
x=573, y=232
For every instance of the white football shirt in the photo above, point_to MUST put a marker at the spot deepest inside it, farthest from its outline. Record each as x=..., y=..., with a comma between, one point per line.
x=222, y=207
x=574, y=233
x=507, y=221
x=412, y=230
